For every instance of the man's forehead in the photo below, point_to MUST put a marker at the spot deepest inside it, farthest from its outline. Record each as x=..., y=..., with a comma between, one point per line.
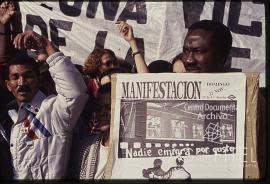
x=20, y=68
x=199, y=35
x=202, y=32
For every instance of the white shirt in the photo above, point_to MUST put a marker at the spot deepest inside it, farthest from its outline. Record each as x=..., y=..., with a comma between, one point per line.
x=102, y=161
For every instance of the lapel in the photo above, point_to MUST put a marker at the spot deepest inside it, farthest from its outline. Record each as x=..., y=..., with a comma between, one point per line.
x=14, y=114
x=35, y=104
x=32, y=107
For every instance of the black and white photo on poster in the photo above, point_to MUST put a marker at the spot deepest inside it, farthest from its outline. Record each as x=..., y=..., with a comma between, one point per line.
x=170, y=128
x=178, y=126
x=175, y=172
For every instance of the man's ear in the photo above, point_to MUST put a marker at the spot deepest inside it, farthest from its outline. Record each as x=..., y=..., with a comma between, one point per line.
x=7, y=82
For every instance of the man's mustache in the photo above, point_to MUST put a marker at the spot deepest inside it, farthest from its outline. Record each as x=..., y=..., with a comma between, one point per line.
x=24, y=89
x=191, y=65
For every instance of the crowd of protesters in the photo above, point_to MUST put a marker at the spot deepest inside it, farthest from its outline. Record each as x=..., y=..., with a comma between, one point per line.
x=71, y=104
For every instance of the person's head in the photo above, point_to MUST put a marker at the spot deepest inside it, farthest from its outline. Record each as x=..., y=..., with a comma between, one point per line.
x=206, y=47
x=99, y=61
x=160, y=66
x=22, y=77
x=180, y=161
x=157, y=163
x=108, y=60
x=102, y=107
x=92, y=62
x=177, y=64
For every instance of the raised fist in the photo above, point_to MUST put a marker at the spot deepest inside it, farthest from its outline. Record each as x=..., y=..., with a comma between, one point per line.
x=7, y=10
x=30, y=40
x=126, y=30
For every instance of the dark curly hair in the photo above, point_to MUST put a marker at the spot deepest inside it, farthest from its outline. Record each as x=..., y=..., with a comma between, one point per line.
x=93, y=61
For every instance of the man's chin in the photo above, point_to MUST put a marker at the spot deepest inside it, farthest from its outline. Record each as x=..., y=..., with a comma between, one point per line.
x=23, y=93
x=193, y=71
x=23, y=98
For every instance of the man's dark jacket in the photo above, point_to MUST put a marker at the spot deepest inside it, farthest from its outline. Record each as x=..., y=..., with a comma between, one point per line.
x=6, y=171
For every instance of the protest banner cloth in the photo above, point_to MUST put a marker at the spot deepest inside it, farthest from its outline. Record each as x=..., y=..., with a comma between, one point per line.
x=77, y=27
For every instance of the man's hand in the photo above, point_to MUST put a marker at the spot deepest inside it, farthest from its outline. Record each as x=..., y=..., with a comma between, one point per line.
x=32, y=40
x=100, y=128
x=125, y=30
x=7, y=10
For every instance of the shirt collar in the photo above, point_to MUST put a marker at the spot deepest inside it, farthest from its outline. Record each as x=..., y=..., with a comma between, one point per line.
x=35, y=104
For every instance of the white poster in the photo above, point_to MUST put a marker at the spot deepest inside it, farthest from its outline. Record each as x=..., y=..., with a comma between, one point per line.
x=178, y=126
x=77, y=27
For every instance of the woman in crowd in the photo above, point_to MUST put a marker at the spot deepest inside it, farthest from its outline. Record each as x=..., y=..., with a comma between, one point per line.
x=98, y=61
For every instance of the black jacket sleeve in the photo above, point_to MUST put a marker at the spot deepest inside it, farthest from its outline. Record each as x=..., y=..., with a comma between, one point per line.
x=6, y=171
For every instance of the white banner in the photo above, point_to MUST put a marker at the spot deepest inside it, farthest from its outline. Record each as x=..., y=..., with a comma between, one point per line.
x=178, y=126
x=160, y=28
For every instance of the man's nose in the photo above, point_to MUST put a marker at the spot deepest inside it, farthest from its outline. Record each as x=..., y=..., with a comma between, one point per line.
x=189, y=57
x=21, y=80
